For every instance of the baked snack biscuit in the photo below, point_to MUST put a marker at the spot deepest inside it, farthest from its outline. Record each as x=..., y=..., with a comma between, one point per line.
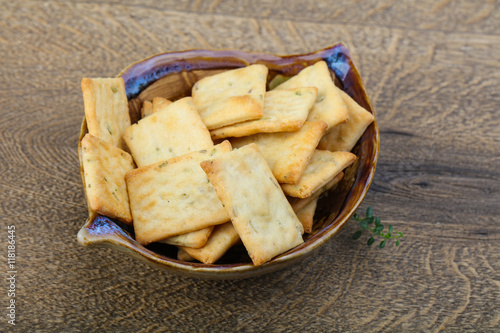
x=259, y=210
x=174, y=130
x=287, y=153
x=174, y=197
x=106, y=109
x=231, y=97
x=329, y=106
x=223, y=237
x=322, y=167
x=104, y=169
x=284, y=111
x=344, y=136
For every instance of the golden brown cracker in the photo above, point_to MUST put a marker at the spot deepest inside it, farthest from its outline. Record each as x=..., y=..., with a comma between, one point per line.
x=174, y=197
x=231, y=97
x=104, y=167
x=223, y=237
x=343, y=137
x=287, y=153
x=306, y=215
x=298, y=203
x=174, y=130
x=106, y=109
x=322, y=167
x=329, y=106
x=259, y=210
x=284, y=111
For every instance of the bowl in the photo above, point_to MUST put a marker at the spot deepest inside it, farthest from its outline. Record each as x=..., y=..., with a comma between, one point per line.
x=171, y=75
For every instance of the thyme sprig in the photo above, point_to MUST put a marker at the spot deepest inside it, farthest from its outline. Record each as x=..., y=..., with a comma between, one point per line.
x=373, y=225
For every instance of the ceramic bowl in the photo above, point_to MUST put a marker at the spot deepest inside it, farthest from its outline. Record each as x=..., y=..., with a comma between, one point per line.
x=171, y=75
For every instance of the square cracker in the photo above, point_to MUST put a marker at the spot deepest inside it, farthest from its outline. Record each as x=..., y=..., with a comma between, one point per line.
x=174, y=197
x=306, y=215
x=322, y=167
x=193, y=239
x=174, y=130
x=231, y=97
x=222, y=239
x=104, y=169
x=298, y=203
x=344, y=136
x=259, y=210
x=329, y=106
x=287, y=153
x=284, y=111
x=106, y=109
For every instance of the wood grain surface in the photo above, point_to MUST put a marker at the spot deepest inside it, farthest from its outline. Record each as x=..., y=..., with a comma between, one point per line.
x=432, y=71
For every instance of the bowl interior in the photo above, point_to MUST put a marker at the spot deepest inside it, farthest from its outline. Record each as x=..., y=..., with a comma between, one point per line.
x=172, y=75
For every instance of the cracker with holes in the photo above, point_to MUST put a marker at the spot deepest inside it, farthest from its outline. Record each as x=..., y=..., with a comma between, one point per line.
x=287, y=153
x=174, y=197
x=298, y=203
x=284, y=111
x=106, y=109
x=193, y=239
x=231, y=97
x=223, y=237
x=323, y=166
x=104, y=169
x=174, y=130
x=306, y=215
x=344, y=136
x=329, y=106
x=259, y=210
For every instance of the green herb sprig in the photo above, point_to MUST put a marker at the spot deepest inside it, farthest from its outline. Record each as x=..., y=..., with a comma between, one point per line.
x=375, y=229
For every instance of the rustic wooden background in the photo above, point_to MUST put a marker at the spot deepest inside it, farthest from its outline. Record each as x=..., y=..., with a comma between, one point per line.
x=432, y=71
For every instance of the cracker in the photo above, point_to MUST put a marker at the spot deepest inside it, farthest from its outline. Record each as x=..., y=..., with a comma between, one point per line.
x=174, y=130
x=231, y=97
x=287, y=153
x=329, y=106
x=284, y=111
x=306, y=215
x=147, y=109
x=174, y=197
x=106, y=109
x=298, y=203
x=194, y=239
x=259, y=210
x=222, y=239
x=159, y=102
x=104, y=167
x=344, y=136
x=183, y=255
x=322, y=167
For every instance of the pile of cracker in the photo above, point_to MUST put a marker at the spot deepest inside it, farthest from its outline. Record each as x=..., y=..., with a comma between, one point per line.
x=233, y=162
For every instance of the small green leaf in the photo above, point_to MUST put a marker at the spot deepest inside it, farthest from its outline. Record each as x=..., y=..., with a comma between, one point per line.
x=357, y=234
x=379, y=228
x=363, y=224
x=382, y=244
x=370, y=241
x=397, y=242
x=369, y=212
x=390, y=228
x=377, y=221
x=388, y=235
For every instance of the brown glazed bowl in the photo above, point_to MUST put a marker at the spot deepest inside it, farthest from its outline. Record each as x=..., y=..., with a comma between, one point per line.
x=171, y=75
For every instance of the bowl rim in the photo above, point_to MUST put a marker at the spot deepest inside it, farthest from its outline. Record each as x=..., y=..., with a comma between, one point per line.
x=136, y=77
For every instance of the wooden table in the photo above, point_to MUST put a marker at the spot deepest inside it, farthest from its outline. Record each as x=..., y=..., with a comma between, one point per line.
x=432, y=71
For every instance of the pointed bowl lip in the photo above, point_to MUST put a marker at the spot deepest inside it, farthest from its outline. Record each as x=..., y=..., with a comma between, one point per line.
x=101, y=231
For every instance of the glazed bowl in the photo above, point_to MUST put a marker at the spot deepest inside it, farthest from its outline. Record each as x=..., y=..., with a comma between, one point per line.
x=171, y=75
